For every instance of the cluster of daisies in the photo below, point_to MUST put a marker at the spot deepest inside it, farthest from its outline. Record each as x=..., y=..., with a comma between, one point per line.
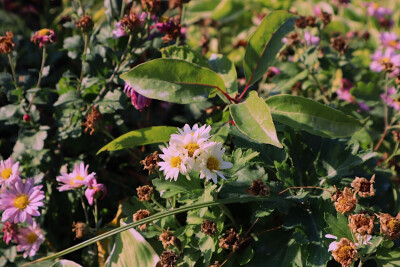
x=191, y=150
x=20, y=201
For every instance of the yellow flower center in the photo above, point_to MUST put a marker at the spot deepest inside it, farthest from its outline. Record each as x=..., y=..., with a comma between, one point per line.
x=78, y=177
x=6, y=173
x=394, y=225
x=21, y=201
x=392, y=43
x=384, y=60
x=44, y=32
x=212, y=163
x=175, y=162
x=31, y=238
x=191, y=148
x=344, y=252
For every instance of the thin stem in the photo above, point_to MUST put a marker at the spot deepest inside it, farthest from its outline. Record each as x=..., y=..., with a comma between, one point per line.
x=157, y=203
x=85, y=37
x=80, y=192
x=387, y=126
x=152, y=218
x=39, y=79
x=96, y=214
x=305, y=187
x=81, y=6
x=13, y=71
x=393, y=153
x=323, y=91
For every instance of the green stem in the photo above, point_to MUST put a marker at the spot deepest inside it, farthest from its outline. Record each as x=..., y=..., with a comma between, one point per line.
x=387, y=126
x=152, y=218
x=96, y=214
x=85, y=37
x=13, y=71
x=39, y=79
x=157, y=203
x=81, y=6
x=80, y=192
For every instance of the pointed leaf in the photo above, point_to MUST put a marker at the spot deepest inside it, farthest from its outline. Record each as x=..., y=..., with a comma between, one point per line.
x=310, y=116
x=184, y=52
x=265, y=43
x=145, y=136
x=253, y=118
x=174, y=80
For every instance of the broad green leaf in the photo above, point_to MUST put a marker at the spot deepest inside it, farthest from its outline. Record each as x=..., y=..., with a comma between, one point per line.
x=131, y=249
x=71, y=97
x=174, y=80
x=198, y=9
x=265, y=43
x=338, y=226
x=290, y=82
x=66, y=263
x=386, y=257
x=228, y=10
x=253, y=118
x=310, y=116
x=226, y=69
x=171, y=188
x=145, y=136
x=365, y=92
x=184, y=52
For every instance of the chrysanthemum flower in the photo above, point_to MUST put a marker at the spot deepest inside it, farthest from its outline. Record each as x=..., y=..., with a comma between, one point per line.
x=343, y=251
x=390, y=39
x=212, y=162
x=8, y=172
x=387, y=60
x=77, y=178
x=44, y=37
x=9, y=231
x=346, y=202
x=21, y=201
x=30, y=239
x=94, y=190
x=390, y=226
x=173, y=163
x=138, y=101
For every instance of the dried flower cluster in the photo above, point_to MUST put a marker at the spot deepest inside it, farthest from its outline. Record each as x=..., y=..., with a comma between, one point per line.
x=258, y=188
x=144, y=192
x=150, y=163
x=208, y=227
x=6, y=43
x=139, y=215
x=230, y=240
x=85, y=23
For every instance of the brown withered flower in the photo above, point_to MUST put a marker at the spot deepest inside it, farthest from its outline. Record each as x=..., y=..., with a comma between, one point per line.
x=168, y=258
x=172, y=29
x=311, y=21
x=345, y=252
x=339, y=43
x=325, y=18
x=6, y=43
x=363, y=187
x=150, y=163
x=346, y=202
x=85, y=23
x=152, y=6
x=361, y=224
x=92, y=120
x=390, y=226
x=167, y=238
x=80, y=229
x=208, y=227
x=176, y=3
x=139, y=215
x=130, y=23
x=301, y=22
x=293, y=38
x=144, y=192
x=230, y=240
x=336, y=195
x=258, y=188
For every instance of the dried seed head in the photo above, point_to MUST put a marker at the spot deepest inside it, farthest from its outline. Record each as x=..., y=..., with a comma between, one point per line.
x=144, y=192
x=150, y=163
x=208, y=227
x=230, y=240
x=361, y=224
x=172, y=29
x=301, y=22
x=311, y=21
x=130, y=23
x=325, y=18
x=363, y=187
x=92, y=120
x=167, y=238
x=80, y=229
x=151, y=6
x=85, y=23
x=168, y=258
x=346, y=202
x=139, y=215
x=345, y=252
x=6, y=43
x=390, y=226
x=339, y=43
x=258, y=188
x=293, y=38
x=386, y=23
x=336, y=195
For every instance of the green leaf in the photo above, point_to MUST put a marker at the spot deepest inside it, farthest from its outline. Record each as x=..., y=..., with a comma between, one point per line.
x=145, y=136
x=386, y=257
x=253, y=118
x=66, y=263
x=308, y=115
x=290, y=82
x=228, y=10
x=184, y=52
x=71, y=97
x=265, y=43
x=131, y=249
x=171, y=188
x=338, y=226
x=226, y=69
x=174, y=80
x=365, y=92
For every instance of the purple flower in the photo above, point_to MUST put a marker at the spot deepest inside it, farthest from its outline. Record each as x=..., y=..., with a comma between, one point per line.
x=344, y=92
x=309, y=39
x=30, y=240
x=10, y=231
x=389, y=100
x=390, y=40
x=21, y=201
x=364, y=106
x=119, y=31
x=8, y=172
x=79, y=177
x=44, y=37
x=138, y=101
x=374, y=10
x=380, y=58
x=94, y=190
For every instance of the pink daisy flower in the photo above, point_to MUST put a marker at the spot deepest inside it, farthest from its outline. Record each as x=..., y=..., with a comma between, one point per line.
x=379, y=58
x=30, y=240
x=94, y=190
x=44, y=37
x=21, y=201
x=79, y=177
x=8, y=172
x=390, y=39
x=388, y=99
x=9, y=231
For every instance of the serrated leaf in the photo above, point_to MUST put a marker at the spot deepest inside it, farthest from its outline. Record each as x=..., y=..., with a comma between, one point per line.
x=184, y=52
x=169, y=188
x=338, y=226
x=145, y=136
x=308, y=115
x=265, y=43
x=174, y=80
x=254, y=119
x=226, y=69
x=386, y=257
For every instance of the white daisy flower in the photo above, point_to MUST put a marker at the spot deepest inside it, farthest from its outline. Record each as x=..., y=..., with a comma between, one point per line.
x=8, y=172
x=211, y=162
x=173, y=163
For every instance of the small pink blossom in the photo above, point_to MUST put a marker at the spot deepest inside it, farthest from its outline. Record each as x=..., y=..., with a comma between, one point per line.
x=344, y=92
x=94, y=190
x=390, y=39
x=44, y=37
x=138, y=101
x=389, y=100
x=8, y=172
x=374, y=10
x=380, y=57
x=30, y=239
x=21, y=201
x=10, y=231
x=309, y=39
x=79, y=177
